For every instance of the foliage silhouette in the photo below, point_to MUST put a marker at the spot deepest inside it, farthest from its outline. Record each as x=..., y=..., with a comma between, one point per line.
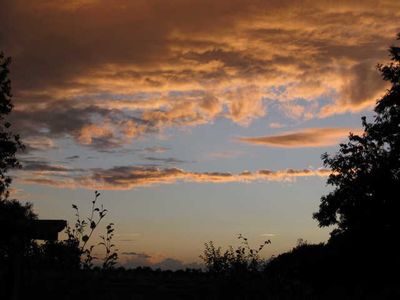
x=366, y=170
x=9, y=142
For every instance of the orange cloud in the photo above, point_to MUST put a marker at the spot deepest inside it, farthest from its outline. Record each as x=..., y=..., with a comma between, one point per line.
x=309, y=137
x=92, y=131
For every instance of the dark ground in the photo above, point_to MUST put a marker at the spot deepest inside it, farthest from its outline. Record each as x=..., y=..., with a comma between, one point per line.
x=306, y=272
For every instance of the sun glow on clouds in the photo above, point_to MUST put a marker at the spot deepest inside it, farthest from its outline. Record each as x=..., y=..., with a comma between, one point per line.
x=204, y=60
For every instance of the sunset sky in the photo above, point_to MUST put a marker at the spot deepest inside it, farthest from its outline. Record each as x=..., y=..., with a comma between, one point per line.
x=197, y=120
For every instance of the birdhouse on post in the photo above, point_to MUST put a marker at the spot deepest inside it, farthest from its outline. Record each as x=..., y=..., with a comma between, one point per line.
x=46, y=229
x=15, y=234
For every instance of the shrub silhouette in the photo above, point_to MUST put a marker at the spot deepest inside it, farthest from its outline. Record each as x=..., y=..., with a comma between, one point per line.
x=232, y=261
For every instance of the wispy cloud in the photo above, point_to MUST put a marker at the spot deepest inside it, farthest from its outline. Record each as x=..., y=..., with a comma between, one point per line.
x=156, y=149
x=225, y=154
x=276, y=125
x=268, y=234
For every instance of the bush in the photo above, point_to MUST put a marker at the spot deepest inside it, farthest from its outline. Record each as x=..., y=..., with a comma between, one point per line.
x=242, y=260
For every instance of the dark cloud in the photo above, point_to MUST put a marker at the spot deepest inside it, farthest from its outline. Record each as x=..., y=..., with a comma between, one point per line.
x=73, y=157
x=244, y=63
x=363, y=84
x=56, y=119
x=119, y=151
x=93, y=126
x=169, y=160
x=121, y=31
x=134, y=260
x=42, y=166
x=141, y=255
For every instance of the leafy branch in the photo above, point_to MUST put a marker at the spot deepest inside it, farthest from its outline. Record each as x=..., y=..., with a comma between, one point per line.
x=111, y=256
x=78, y=236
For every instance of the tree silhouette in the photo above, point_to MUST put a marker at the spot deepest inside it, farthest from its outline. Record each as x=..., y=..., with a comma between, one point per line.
x=11, y=211
x=366, y=170
x=9, y=142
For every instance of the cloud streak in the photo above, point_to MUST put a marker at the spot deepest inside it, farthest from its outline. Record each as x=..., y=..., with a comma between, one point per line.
x=131, y=177
x=43, y=166
x=308, y=137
